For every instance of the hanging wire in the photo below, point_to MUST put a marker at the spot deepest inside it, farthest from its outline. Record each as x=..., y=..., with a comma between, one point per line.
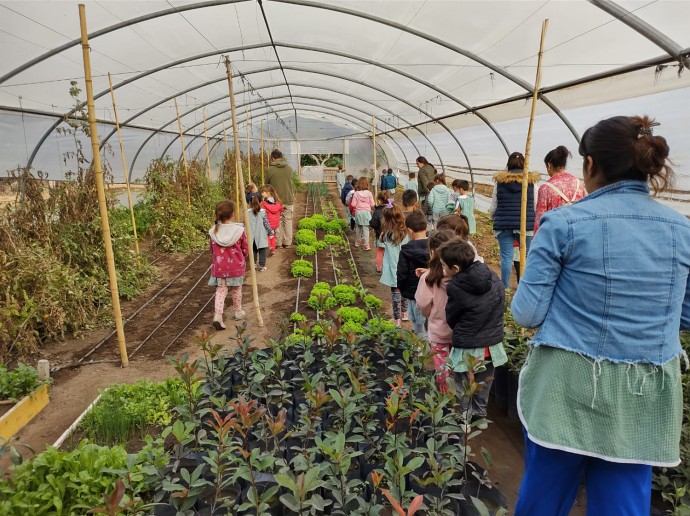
x=26, y=144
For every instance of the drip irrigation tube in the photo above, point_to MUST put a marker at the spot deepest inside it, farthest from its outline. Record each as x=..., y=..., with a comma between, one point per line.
x=171, y=312
x=188, y=325
x=137, y=311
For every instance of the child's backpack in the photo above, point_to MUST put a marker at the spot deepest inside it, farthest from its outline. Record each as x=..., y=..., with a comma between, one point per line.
x=351, y=204
x=390, y=182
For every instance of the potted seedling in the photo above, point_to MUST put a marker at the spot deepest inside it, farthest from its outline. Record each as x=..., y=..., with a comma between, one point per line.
x=341, y=473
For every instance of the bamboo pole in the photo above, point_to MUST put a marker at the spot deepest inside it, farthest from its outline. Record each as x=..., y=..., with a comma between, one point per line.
x=238, y=166
x=263, y=180
x=208, y=158
x=249, y=147
x=528, y=147
x=376, y=183
x=184, y=155
x=124, y=166
x=227, y=160
x=102, y=206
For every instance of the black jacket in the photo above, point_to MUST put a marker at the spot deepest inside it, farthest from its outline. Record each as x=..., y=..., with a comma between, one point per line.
x=413, y=255
x=347, y=187
x=375, y=221
x=476, y=302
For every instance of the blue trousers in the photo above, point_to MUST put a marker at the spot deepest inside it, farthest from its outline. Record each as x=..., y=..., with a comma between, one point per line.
x=505, y=239
x=417, y=319
x=552, y=478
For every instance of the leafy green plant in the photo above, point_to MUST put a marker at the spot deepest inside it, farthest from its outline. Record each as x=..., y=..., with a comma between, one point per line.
x=353, y=314
x=72, y=482
x=345, y=295
x=305, y=250
x=334, y=240
x=302, y=268
x=307, y=223
x=372, y=302
x=297, y=317
x=19, y=382
x=124, y=409
x=305, y=236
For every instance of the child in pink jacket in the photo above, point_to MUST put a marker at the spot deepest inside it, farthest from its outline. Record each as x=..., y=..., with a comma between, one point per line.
x=431, y=298
x=362, y=204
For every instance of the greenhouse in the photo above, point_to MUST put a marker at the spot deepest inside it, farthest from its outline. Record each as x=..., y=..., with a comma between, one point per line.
x=239, y=242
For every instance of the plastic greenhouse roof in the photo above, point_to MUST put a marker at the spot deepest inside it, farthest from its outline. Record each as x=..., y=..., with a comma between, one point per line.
x=450, y=80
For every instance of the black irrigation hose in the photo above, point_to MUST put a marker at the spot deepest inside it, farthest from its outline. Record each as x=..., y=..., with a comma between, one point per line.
x=201, y=278
x=138, y=310
x=188, y=324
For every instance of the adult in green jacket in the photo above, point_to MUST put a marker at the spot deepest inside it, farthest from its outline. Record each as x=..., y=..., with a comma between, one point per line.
x=427, y=172
x=280, y=176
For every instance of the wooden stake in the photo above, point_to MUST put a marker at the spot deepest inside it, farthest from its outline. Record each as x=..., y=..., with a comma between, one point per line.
x=238, y=166
x=124, y=166
x=263, y=180
x=528, y=146
x=102, y=206
x=376, y=183
x=184, y=155
x=208, y=158
x=249, y=148
x=227, y=160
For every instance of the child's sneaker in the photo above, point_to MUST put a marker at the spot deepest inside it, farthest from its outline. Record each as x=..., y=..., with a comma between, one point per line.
x=356, y=243
x=240, y=315
x=272, y=252
x=397, y=322
x=378, y=270
x=405, y=316
x=261, y=269
x=218, y=322
x=366, y=247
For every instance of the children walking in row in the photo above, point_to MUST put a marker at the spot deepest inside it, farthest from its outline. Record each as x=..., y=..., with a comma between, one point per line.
x=475, y=311
x=431, y=298
x=260, y=230
x=464, y=202
x=273, y=207
x=229, y=250
x=361, y=205
x=375, y=223
x=413, y=255
x=393, y=236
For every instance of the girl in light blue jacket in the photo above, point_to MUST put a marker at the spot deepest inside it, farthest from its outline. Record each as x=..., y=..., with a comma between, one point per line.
x=438, y=198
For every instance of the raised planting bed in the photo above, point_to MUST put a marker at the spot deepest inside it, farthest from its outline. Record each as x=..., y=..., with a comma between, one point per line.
x=22, y=396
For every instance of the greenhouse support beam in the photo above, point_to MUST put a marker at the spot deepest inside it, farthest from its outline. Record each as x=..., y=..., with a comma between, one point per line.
x=249, y=147
x=358, y=120
x=373, y=138
x=208, y=157
x=340, y=92
x=124, y=167
x=102, y=205
x=640, y=26
x=296, y=47
x=262, y=152
x=238, y=171
x=364, y=123
x=528, y=150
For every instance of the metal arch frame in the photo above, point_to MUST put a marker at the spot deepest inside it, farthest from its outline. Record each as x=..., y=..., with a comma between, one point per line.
x=359, y=121
x=304, y=103
x=154, y=132
x=641, y=27
x=252, y=116
x=323, y=51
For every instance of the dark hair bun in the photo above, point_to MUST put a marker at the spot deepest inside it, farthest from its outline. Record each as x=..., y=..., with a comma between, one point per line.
x=651, y=153
x=558, y=157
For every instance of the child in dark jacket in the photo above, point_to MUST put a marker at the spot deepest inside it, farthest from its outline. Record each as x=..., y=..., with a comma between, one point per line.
x=475, y=308
x=413, y=255
x=375, y=224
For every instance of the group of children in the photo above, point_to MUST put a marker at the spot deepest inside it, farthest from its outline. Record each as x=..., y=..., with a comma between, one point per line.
x=438, y=281
x=230, y=247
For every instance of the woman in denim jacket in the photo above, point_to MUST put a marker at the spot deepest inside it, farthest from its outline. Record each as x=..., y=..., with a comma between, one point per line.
x=607, y=282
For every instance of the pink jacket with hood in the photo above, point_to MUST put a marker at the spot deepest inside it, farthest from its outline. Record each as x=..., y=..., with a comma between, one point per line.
x=229, y=249
x=362, y=200
x=431, y=301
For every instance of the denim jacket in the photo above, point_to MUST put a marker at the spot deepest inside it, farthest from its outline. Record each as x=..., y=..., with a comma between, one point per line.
x=608, y=277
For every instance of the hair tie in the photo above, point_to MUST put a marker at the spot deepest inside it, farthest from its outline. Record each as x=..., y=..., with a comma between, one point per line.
x=389, y=204
x=647, y=131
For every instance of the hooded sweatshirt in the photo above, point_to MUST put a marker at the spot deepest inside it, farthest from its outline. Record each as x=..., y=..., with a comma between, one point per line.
x=273, y=211
x=229, y=250
x=475, y=307
x=347, y=188
x=280, y=176
x=431, y=302
x=438, y=199
x=413, y=255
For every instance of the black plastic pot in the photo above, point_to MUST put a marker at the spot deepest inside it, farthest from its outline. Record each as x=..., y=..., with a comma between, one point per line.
x=205, y=501
x=501, y=387
x=264, y=481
